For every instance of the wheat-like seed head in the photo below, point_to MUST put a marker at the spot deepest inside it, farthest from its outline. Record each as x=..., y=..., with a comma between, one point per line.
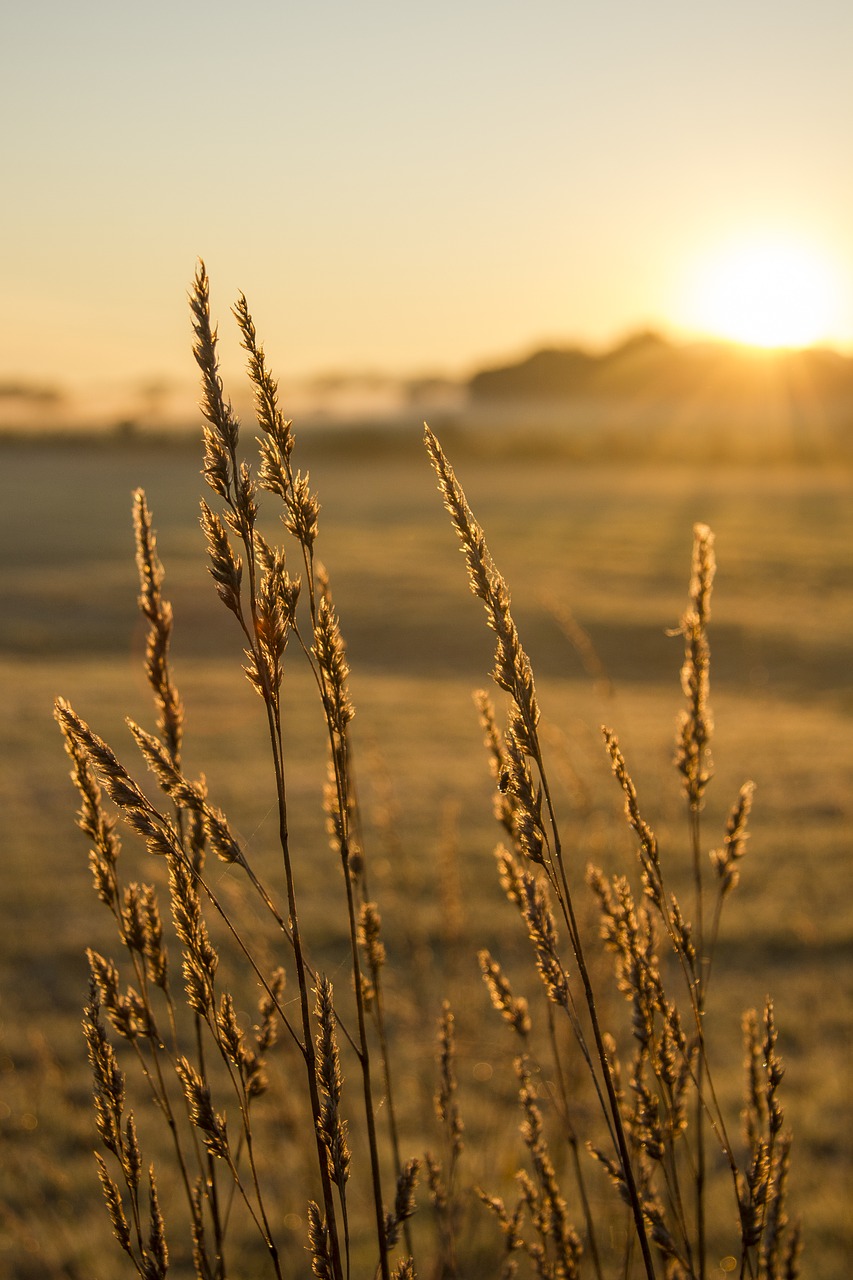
x=158, y=1254
x=369, y=930
x=188, y=795
x=509, y=1222
x=131, y=921
x=331, y=1125
x=132, y=1154
x=510, y=875
x=222, y=431
x=330, y=651
x=404, y=1202
x=773, y=1070
x=201, y=1261
x=115, y=1209
x=154, y=950
x=267, y=1030
x=629, y=934
x=158, y=612
x=542, y=931
x=226, y=567
x=92, y=819
x=645, y=1124
x=319, y=1244
x=696, y=725
x=446, y=1105
x=504, y=802
x=703, y=569
x=302, y=511
x=200, y=1108
x=272, y=422
x=543, y=1196
x=512, y=671
x=772, y=1242
x=648, y=845
x=513, y=1009
x=725, y=860
x=127, y=1012
x=755, y=1105
x=516, y=782
x=435, y=1181
x=107, y=1075
x=201, y=959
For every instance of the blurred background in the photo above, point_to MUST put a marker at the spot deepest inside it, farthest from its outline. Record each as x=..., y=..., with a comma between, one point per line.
x=409, y=196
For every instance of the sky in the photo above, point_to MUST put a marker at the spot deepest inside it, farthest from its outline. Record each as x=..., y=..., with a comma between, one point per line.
x=404, y=187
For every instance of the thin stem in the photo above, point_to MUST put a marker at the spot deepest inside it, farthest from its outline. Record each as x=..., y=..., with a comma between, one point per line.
x=308, y=1042
x=364, y=1062
x=589, y=996
x=379, y=1020
x=572, y=1139
x=695, y=836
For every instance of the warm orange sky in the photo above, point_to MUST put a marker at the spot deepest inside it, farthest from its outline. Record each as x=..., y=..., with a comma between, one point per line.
x=400, y=186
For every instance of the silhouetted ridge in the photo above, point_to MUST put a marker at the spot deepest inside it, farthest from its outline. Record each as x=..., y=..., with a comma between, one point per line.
x=552, y=372
x=647, y=364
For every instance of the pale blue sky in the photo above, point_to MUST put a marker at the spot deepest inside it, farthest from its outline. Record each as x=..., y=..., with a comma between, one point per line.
x=401, y=186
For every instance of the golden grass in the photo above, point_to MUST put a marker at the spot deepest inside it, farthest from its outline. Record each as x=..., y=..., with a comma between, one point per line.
x=633, y=1079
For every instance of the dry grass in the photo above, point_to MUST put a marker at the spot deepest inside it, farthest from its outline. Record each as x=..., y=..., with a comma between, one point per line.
x=314, y=1142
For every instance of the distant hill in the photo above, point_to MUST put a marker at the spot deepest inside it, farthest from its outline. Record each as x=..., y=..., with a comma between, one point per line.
x=646, y=366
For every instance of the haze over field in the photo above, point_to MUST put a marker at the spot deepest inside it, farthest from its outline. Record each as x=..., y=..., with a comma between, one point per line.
x=415, y=191
x=646, y=394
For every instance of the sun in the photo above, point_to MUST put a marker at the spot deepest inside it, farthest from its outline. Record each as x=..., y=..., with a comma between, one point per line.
x=767, y=292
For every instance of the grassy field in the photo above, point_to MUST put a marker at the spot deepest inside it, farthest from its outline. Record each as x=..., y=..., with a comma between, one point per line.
x=611, y=541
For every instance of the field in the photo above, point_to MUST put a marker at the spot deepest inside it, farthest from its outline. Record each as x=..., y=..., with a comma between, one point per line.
x=609, y=540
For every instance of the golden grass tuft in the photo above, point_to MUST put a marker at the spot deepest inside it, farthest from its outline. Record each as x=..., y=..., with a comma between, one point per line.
x=622, y=1135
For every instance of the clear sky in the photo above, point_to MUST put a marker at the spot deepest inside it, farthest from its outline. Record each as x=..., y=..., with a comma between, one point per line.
x=402, y=186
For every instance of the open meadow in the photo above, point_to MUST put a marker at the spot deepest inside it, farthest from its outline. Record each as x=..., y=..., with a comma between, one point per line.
x=599, y=544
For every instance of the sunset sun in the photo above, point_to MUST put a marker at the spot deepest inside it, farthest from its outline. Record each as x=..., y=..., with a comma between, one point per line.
x=767, y=292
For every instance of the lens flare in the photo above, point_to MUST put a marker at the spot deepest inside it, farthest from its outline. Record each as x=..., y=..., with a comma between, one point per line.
x=767, y=293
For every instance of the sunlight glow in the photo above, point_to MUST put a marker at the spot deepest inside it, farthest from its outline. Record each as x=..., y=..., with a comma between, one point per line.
x=768, y=292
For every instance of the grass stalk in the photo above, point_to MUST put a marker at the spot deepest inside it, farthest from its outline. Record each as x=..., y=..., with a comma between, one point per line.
x=651, y=1115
